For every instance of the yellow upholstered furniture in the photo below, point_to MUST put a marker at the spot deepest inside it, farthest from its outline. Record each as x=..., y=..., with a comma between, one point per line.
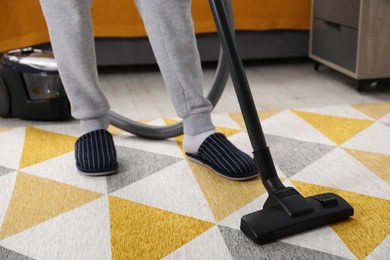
x=22, y=22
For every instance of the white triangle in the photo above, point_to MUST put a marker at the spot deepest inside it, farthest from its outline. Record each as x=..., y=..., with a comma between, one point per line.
x=375, y=138
x=242, y=142
x=323, y=239
x=63, y=169
x=208, y=246
x=7, y=183
x=173, y=188
x=287, y=124
x=340, y=170
x=82, y=233
x=382, y=251
x=71, y=128
x=224, y=120
x=12, y=143
x=339, y=110
x=166, y=147
x=159, y=122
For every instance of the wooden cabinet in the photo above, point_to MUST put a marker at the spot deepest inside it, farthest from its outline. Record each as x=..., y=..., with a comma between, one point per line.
x=353, y=37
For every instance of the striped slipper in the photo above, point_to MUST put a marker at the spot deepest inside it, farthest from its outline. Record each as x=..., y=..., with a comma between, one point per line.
x=96, y=154
x=220, y=155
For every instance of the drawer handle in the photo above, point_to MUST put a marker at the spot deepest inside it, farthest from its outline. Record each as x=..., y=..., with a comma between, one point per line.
x=332, y=24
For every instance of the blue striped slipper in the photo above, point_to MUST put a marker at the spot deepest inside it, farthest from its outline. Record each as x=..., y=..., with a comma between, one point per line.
x=220, y=155
x=96, y=154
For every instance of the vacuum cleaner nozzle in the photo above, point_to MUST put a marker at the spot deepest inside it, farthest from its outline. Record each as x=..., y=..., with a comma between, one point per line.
x=273, y=221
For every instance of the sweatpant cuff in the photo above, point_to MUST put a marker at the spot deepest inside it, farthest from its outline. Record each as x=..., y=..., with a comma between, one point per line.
x=95, y=123
x=197, y=124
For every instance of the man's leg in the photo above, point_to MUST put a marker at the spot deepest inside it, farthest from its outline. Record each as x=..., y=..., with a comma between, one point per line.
x=171, y=32
x=71, y=35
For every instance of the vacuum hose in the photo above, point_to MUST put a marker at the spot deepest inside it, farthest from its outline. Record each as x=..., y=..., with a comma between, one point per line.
x=164, y=132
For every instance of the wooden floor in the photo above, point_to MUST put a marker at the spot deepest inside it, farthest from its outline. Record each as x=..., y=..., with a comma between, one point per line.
x=139, y=92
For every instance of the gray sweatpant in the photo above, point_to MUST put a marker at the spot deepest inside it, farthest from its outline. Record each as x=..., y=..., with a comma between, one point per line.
x=171, y=32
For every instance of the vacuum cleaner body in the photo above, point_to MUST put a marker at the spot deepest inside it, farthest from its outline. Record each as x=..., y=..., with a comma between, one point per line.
x=30, y=86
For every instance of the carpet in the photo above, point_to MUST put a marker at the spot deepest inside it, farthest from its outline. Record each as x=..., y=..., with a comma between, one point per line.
x=160, y=205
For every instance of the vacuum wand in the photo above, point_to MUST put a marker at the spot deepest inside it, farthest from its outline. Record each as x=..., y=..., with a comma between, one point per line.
x=261, y=152
x=286, y=211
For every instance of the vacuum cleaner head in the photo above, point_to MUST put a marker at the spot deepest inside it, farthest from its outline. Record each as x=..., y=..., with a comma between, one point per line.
x=275, y=222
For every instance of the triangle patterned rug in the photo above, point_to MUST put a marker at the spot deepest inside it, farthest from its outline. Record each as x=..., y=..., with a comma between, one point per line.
x=161, y=205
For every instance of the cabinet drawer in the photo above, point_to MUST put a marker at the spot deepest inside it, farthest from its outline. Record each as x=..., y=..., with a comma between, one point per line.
x=335, y=43
x=344, y=12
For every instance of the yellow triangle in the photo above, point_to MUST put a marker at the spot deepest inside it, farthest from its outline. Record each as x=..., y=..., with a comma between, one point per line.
x=4, y=129
x=144, y=121
x=143, y=232
x=374, y=110
x=377, y=163
x=117, y=131
x=263, y=115
x=35, y=200
x=170, y=121
x=225, y=196
x=114, y=130
x=338, y=129
x=41, y=145
x=369, y=226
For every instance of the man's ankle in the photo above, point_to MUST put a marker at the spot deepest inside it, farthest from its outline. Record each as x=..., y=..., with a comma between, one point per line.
x=93, y=124
x=192, y=143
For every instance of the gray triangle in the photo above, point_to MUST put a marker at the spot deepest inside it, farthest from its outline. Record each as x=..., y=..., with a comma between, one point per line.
x=6, y=254
x=291, y=155
x=4, y=171
x=135, y=165
x=241, y=247
x=386, y=124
